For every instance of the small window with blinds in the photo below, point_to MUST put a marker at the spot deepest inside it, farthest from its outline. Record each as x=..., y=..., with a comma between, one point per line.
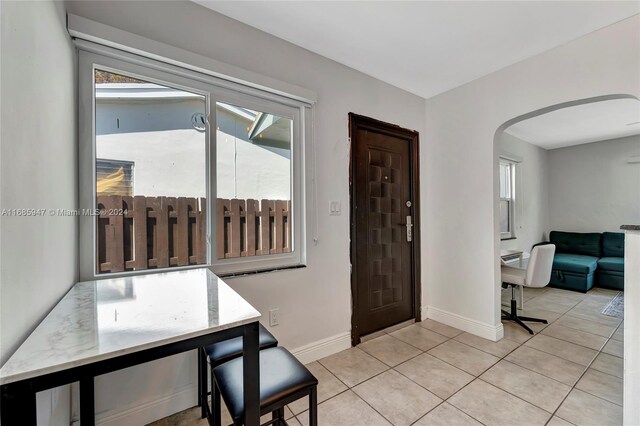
x=507, y=198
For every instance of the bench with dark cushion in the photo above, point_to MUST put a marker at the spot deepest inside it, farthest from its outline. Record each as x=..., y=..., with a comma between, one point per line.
x=229, y=349
x=283, y=379
x=222, y=352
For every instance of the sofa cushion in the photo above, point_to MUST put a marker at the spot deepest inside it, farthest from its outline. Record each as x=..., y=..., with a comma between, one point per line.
x=610, y=279
x=572, y=281
x=612, y=244
x=611, y=264
x=587, y=244
x=576, y=263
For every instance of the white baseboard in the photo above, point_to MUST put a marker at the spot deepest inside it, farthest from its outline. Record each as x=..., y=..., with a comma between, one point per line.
x=481, y=329
x=150, y=411
x=322, y=348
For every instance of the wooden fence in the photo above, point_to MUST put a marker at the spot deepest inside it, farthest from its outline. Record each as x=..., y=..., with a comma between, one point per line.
x=136, y=233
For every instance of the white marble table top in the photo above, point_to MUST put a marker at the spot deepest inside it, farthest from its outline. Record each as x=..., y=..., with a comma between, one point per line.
x=105, y=318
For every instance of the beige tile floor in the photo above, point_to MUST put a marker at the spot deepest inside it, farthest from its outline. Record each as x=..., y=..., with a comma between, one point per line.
x=428, y=373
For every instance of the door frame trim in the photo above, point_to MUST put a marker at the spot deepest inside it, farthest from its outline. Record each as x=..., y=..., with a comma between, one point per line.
x=413, y=138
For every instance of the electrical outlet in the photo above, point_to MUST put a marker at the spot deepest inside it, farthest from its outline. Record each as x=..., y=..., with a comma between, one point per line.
x=273, y=317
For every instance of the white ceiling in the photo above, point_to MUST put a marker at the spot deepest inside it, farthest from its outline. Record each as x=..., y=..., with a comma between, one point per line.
x=427, y=47
x=581, y=124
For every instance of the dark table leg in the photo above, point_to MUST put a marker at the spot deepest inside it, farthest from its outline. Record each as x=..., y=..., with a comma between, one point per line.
x=87, y=404
x=251, y=368
x=18, y=405
x=202, y=383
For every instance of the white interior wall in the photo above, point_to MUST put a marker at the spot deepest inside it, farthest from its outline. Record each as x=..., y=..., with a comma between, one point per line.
x=461, y=275
x=594, y=188
x=314, y=302
x=38, y=255
x=532, y=192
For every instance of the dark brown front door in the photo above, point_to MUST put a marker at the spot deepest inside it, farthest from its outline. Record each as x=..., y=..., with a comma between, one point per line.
x=383, y=224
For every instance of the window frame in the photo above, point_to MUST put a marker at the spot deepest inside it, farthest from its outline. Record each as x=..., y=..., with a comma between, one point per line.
x=214, y=90
x=511, y=233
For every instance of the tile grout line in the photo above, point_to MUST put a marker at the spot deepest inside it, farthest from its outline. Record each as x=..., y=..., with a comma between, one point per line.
x=502, y=358
x=349, y=388
x=544, y=375
x=388, y=369
x=420, y=349
x=478, y=378
x=576, y=383
x=566, y=341
x=582, y=375
x=393, y=368
x=475, y=377
x=598, y=352
x=577, y=329
x=547, y=353
x=522, y=344
x=456, y=408
x=443, y=400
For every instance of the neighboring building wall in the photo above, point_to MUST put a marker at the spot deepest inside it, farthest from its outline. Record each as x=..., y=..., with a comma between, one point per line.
x=38, y=255
x=168, y=163
x=170, y=155
x=593, y=187
x=532, y=192
x=127, y=116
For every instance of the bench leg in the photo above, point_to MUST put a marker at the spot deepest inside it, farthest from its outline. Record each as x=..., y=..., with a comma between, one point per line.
x=202, y=393
x=216, y=407
x=313, y=407
x=277, y=417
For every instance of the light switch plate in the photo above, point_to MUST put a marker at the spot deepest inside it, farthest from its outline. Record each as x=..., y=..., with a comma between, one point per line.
x=334, y=208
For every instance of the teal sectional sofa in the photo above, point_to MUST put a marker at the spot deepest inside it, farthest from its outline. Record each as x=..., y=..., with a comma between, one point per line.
x=583, y=260
x=610, y=271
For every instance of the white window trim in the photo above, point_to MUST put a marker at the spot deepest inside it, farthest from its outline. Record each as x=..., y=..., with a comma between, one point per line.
x=215, y=90
x=512, y=200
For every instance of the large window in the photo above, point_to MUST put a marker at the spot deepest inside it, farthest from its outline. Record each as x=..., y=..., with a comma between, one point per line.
x=507, y=198
x=218, y=171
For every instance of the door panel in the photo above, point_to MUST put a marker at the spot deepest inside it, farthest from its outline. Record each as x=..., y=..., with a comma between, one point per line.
x=383, y=257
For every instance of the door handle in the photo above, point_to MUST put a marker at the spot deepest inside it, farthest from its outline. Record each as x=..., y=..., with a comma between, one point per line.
x=409, y=228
